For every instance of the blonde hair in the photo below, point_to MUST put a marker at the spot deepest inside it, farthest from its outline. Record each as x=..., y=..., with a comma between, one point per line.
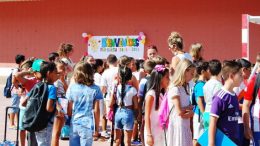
x=178, y=78
x=175, y=39
x=83, y=73
x=195, y=50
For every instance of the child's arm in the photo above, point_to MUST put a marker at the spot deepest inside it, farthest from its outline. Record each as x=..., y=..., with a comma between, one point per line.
x=177, y=104
x=135, y=103
x=96, y=116
x=19, y=76
x=175, y=61
x=200, y=103
x=134, y=82
x=245, y=116
x=212, y=130
x=113, y=101
x=70, y=108
x=50, y=107
x=148, y=107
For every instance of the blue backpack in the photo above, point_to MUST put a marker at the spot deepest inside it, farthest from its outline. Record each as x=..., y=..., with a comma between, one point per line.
x=8, y=86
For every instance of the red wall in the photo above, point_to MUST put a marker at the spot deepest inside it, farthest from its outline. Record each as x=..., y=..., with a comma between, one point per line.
x=37, y=28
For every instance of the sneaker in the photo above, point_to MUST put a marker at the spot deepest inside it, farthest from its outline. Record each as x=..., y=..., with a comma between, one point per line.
x=13, y=127
x=105, y=134
x=136, y=143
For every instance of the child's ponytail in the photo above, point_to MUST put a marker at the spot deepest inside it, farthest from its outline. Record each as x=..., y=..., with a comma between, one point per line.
x=157, y=74
x=125, y=75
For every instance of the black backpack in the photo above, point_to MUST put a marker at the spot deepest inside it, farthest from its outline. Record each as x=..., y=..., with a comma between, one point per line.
x=36, y=117
x=8, y=86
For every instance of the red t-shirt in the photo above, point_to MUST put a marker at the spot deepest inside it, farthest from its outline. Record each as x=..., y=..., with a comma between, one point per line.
x=28, y=85
x=250, y=89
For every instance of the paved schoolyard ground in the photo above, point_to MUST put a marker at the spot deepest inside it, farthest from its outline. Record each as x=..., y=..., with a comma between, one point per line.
x=11, y=134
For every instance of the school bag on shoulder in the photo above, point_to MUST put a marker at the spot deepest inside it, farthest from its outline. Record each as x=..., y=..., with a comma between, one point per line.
x=36, y=117
x=8, y=86
x=164, y=113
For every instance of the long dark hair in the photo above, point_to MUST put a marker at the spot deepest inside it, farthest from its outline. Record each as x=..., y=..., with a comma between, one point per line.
x=125, y=74
x=154, y=81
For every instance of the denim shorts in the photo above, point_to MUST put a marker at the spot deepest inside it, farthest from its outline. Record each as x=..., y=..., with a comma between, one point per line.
x=43, y=137
x=21, y=115
x=80, y=135
x=15, y=102
x=124, y=119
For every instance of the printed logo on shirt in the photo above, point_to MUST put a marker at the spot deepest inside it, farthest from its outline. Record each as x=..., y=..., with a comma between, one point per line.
x=230, y=106
x=232, y=119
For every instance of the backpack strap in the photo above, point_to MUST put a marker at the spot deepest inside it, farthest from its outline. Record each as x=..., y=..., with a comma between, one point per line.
x=256, y=88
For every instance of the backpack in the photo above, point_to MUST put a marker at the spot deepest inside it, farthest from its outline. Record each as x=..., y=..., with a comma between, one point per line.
x=36, y=117
x=8, y=86
x=164, y=113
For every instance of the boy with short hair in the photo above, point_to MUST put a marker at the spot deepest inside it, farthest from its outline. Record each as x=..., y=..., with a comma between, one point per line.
x=19, y=59
x=148, y=67
x=202, y=71
x=225, y=108
x=106, y=85
x=211, y=87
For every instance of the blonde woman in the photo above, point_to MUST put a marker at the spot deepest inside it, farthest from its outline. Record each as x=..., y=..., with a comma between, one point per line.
x=175, y=42
x=179, y=132
x=196, y=52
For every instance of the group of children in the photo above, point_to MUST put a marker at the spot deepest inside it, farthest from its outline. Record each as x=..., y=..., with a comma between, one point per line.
x=201, y=96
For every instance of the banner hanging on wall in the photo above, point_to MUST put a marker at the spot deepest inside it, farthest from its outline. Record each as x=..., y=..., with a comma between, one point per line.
x=102, y=46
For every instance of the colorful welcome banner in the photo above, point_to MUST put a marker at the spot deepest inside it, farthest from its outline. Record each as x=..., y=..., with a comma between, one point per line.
x=102, y=46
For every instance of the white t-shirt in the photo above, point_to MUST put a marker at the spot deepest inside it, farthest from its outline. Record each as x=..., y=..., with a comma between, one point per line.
x=210, y=89
x=97, y=79
x=60, y=88
x=130, y=92
x=184, y=56
x=137, y=75
x=69, y=62
x=107, y=80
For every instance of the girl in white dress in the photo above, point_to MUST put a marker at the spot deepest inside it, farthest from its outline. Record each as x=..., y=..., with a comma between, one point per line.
x=179, y=132
x=153, y=134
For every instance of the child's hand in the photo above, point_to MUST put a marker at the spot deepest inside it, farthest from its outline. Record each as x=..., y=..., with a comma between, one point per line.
x=23, y=101
x=187, y=114
x=60, y=113
x=149, y=140
x=248, y=133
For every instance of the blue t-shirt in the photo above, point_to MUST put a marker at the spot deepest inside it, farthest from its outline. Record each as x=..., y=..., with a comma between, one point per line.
x=83, y=98
x=198, y=92
x=52, y=92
